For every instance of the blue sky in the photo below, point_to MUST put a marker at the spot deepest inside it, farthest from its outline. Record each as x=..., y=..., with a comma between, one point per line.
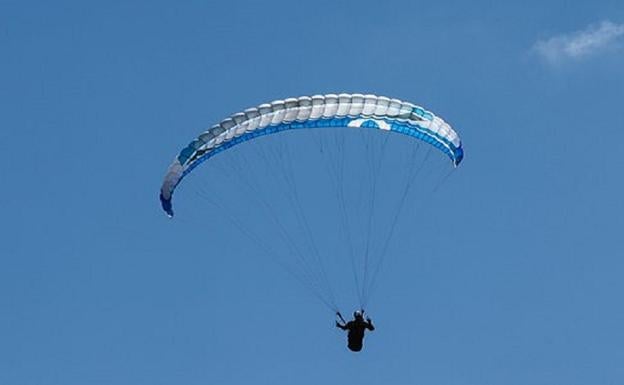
x=522, y=286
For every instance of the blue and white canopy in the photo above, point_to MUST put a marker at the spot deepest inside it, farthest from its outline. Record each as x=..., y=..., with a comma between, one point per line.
x=319, y=111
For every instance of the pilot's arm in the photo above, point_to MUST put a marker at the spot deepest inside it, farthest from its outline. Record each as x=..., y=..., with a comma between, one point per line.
x=341, y=326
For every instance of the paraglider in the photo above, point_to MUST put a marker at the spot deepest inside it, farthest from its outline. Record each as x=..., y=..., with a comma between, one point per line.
x=321, y=113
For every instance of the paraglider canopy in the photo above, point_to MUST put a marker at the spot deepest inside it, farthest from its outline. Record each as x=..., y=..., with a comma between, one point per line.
x=316, y=112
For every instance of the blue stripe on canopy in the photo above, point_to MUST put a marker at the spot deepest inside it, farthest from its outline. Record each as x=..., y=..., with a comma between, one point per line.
x=456, y=154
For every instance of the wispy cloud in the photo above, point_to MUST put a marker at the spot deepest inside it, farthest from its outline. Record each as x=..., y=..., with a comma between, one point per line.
x=594, y=39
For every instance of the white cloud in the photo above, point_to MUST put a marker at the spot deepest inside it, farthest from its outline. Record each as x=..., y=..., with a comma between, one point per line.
x=579, y=44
